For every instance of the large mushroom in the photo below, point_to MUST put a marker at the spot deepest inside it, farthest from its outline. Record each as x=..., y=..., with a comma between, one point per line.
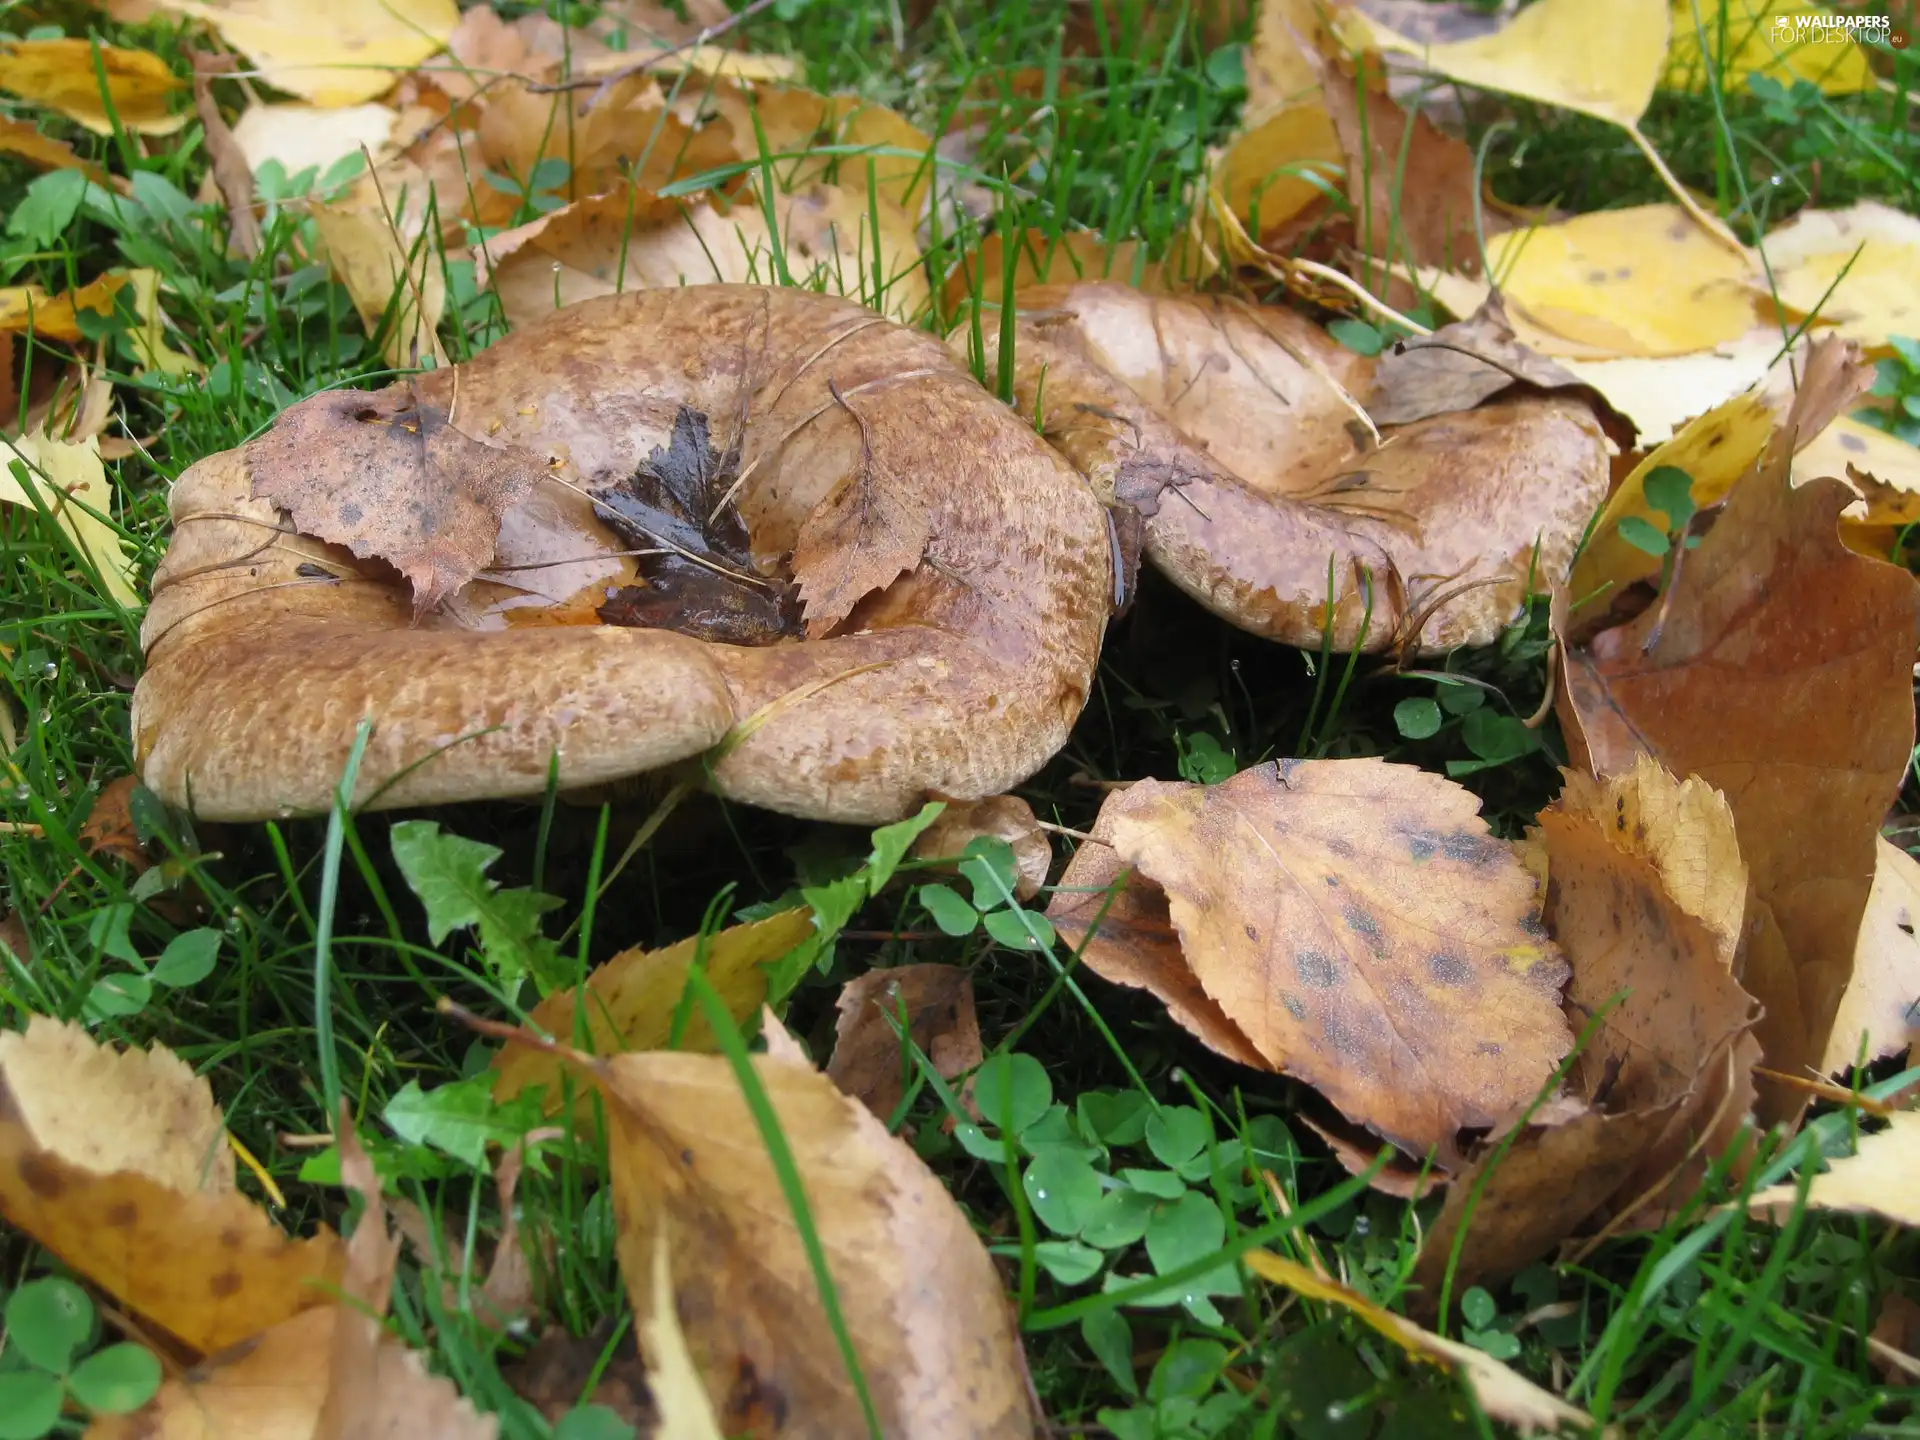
x=947, y=578
x=1238, y=433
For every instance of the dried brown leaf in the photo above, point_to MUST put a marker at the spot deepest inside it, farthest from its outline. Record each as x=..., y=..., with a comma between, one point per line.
x=110, y=830
x=1463, y=365
x=1779, y=670
x=1359, y=926
x=932, y=1004
x=390, y=476
x=921, y=1298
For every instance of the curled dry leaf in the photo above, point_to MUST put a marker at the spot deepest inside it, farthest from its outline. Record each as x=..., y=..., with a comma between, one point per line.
x=922, y=1301
x=1778, y=668
x=1503, y=1394
x=117, y=1162
x=1464, y=365
x=1881, y=1177
x=1715, y=449
x=960, y=678
x=60, y=75
x=630, y=1001
x=1880, y=1010
x=630, y=239
x=1857, y=268
x=1234, y=431
x=110, y=830
x=1004, y=817
x=934, y=1006
x=1645, y=890
x=391, y=477
x=364, y=46
x=1359, y=928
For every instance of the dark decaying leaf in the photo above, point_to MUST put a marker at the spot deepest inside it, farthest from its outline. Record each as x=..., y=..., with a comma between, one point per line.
x=934, y=1006
x=388, y=475
x=699, y=578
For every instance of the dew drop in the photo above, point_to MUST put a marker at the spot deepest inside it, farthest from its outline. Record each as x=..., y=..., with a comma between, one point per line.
x=22, y=793
x=1039, y=1193
x=49, y=670
x=1362, y=1225
x=46, y=717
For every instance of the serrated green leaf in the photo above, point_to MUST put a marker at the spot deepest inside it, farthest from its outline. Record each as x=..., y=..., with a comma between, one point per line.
x=447, y=873
x=891, y=843
x=457, y=1119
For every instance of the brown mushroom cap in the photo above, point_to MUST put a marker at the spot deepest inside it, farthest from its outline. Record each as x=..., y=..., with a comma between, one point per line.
x=961, y=677
x=1271, y=474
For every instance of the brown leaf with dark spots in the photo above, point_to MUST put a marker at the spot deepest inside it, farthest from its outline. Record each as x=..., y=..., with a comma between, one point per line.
x=1004, y=817
x=1357, y=923
x=1123, y=927
x=1621, y=854
x=389, y=476
x=1463, y=365
x=1356, y=1151
x=933, y=1004
x=1779, y=669
x=867, y=533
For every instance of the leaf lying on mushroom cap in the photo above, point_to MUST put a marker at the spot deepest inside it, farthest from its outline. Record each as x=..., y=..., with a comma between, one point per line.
x=1467, y=363
x=678, y=501
x=388, y=475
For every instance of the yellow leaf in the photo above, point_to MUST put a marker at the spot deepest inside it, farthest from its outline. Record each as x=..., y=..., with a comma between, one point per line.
x=1601, y=60
x=387, y=275
x=61, y=75
x=1875, y=1016
x=1503, y=1394
x=303, y=136
x=1277, y=166
x=1858, y=268
x=1881, y=1177
x=117, y=1162
x=1733, y=39
x=712, y=62
x=1280, y=72
x=673, y=1377
x=631, y=999
x=1884, y=468
x=352, y=52
x=17, y=137
x=53, y=317
x=1715, y=449
x=1660, y=393
x=1642, y=281
x=68, y=476
x=149, y=337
